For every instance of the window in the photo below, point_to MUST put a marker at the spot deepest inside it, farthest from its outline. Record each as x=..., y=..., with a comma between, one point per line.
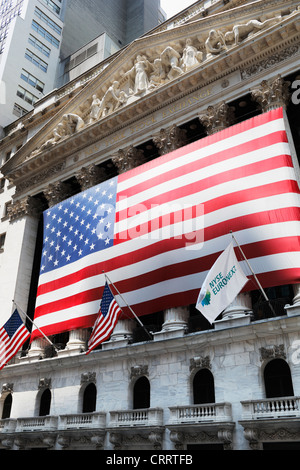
x=2, y=241
x=7, y=407
x=26, y=95
x=48, y=21
x=33, y=81
x=53, y=6
x=45, y=34
x=141, y=393
x=203, y=387
x=45, y=403
x=39, y=45
x=2, y=184
x=19, y=111
x=89, y=399
x=37, y=61
x=278, y=380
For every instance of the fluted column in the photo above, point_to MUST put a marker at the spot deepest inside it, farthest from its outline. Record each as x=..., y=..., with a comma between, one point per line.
x=271, y=94
x=124, y=160
x=175, y=318
x=57, y=192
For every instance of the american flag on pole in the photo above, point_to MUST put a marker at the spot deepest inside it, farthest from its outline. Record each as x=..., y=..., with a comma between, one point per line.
x=12, y=337
x=157, y=229
x=107, y=319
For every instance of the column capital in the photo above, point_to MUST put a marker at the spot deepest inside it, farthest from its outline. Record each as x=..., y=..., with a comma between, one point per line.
x=127, y=159
x=57, y=192
x=217, y=117
x=271, y=94
x=91, y=175
x=28, y=206
x=170, y=139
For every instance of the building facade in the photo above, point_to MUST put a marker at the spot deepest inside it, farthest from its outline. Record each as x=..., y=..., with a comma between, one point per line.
x=37, y=35
x=231, y=385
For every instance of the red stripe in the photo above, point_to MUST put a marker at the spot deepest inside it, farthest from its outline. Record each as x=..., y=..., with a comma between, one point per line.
x=215, y=231
x=241, y=149
x=218, y=229
x=280, y=161
x=257, y=121
x=73, y=324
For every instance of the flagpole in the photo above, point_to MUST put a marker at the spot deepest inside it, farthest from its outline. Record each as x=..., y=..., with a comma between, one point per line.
x=136, y=317
x=255, y=277
x=24, y=313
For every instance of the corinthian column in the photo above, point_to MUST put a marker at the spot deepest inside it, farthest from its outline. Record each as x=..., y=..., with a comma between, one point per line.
x=217, y=117
x=170, y=139
x=271, y=94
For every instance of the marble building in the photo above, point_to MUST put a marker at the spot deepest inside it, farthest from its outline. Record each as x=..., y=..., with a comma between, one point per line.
x=231, y=385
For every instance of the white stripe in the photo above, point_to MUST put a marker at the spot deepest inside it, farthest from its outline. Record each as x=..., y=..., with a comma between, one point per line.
x=198, y=175
x=199, y=154
x=238, y=210
x=185, y=283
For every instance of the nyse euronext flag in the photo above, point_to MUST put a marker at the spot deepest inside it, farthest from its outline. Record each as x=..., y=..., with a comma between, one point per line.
x=222, y=284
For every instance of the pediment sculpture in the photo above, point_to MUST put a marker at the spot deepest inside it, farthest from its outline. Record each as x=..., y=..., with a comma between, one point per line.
x=148, y=73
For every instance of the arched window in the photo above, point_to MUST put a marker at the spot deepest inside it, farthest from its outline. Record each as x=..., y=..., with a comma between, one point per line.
x=45, y=403
x=278, y=380
x=203, y=387
x=141, y=393
x=89, y=399
x=7, y=407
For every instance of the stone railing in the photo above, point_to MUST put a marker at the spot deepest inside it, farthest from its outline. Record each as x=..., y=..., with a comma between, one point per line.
x=271, y=408
x=140, y=417
x=54, y=423
x=211, y=412
x=83, y=420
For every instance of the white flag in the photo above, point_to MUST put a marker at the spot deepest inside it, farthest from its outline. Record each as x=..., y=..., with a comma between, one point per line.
x=222, y=284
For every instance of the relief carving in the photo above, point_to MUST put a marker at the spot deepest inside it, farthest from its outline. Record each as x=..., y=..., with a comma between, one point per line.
x=151, y=70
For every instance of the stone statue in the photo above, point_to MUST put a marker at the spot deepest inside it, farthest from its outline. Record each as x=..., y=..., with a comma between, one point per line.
x=170, y=58
x=140, y=71
x=95, y=109
x=215, y=43
x=158, y=77
x=73, y=123
x=240, y=32
x=191, y=57
x=111, y=101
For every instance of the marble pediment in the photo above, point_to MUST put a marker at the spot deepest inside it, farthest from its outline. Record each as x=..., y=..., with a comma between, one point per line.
x=154, y=70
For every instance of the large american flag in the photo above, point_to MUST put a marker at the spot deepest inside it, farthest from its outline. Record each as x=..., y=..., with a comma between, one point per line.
x=157, y=229
x=13, y=334
x=107, y=319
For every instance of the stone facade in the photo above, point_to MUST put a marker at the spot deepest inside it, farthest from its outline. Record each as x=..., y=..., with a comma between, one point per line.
x=161, y=92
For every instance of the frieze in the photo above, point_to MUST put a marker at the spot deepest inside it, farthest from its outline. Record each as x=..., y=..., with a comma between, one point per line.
x=270, y=61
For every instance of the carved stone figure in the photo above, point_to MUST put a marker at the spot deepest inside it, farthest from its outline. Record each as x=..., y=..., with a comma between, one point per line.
x=240, y=32
x=140, y=71
x=170, y=58
x=158, y=77
x=95, y=109
x=215, y=43
x=73, y=123
x=191, y=56
x=112, y=100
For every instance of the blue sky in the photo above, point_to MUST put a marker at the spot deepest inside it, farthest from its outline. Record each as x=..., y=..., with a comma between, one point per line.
x=172, y=7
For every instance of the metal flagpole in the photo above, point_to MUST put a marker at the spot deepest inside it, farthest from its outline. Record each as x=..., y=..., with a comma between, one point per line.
x=136, y=317
x=255, y=277
x=19, y=308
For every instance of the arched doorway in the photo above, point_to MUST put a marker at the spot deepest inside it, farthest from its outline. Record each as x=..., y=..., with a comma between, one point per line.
x=278, y=380
x=203, y=387
x=141, y=393
x=89, y=399
x=45, y=403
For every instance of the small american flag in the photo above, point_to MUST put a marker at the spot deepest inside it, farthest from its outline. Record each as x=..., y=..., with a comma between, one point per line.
x=12, y=337
x=106, y=321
